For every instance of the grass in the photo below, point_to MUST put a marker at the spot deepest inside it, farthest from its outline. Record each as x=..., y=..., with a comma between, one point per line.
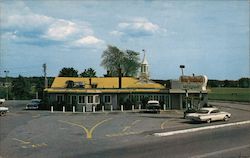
x=230, y=94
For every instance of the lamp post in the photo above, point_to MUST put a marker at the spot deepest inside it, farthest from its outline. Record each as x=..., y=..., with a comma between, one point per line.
x=182, y=67
x=6, y=84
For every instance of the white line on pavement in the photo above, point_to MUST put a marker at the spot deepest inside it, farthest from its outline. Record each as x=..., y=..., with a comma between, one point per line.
x=200, y=129
x=221, y=151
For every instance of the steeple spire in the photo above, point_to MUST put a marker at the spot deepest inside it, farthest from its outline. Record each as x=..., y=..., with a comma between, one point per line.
x=144, y=76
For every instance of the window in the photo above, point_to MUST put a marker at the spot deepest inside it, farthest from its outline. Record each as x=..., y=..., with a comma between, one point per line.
x=215, y=111
x=90, y=99
x=97, y=99
x=107, y=99
x=59, y=98
x=73, y=99
x=81, y=99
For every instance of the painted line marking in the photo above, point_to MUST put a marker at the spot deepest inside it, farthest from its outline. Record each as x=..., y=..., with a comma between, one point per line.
x=89, y=133
x=26, y=145
x=123, y=134
x=163, y=124
x=221, y=151
x=126, y=128
x=19, y=140
x=135, y=122
x=199, y=129
x=132, y=124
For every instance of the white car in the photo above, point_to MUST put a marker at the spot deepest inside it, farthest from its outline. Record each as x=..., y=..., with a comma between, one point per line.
x=208, y=115
x=3, y=111
x=153, y=106
x=2, y=101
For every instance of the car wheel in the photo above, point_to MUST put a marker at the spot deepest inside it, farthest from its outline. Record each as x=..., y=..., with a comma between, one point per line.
x=209, y=121
x=226, y=118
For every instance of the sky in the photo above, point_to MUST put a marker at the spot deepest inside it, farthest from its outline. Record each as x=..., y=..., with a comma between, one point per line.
x=209, y=37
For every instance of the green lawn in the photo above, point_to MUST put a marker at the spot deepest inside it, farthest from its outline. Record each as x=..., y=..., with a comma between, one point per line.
x=230, y=94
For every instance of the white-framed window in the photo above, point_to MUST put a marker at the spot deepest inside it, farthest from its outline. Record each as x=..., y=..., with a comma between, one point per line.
x=97, y=99
x=107, y=98
x=59, y=98
x=81, y=99
x=90, y=99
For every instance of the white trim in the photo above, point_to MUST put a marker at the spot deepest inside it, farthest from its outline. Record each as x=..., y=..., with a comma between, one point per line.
x=200, y=129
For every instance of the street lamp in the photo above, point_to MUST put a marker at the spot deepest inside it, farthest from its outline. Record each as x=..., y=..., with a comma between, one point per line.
x=182, y=67
x=6, y=84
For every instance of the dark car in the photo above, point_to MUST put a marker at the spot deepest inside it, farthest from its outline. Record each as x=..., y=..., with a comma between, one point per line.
x=34, y=104
x=188, y=111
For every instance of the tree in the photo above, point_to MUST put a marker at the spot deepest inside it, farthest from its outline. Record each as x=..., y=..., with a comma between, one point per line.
x=88, y=73
x=21, y=88
x=244, y=82
x=114, y=59
x=68, y=72
x=131, y=63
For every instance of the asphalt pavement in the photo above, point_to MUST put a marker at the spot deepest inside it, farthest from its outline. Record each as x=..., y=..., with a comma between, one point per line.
x=119, y=134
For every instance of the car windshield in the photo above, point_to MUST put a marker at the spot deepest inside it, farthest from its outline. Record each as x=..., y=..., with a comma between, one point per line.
x=153, y=104
x=202, y=111
x=35, y=101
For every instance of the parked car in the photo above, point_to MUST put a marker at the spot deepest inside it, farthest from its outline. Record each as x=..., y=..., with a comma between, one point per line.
x=3, y=110
x=153, y=106
x=34, y=104
x=208, y=115
x=2, y=101
x=189, y=111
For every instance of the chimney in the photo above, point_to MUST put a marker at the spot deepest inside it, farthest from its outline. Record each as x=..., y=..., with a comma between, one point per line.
x=90, y=82
x=120, y=77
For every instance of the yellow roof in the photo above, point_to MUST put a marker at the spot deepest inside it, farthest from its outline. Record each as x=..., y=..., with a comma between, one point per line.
x=106, y=82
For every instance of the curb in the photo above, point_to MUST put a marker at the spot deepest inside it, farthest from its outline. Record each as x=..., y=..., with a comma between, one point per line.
x=199, y=129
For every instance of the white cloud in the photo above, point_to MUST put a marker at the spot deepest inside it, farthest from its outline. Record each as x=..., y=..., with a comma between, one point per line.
x=116, y=33
x=137, y=27
x=90, y=41
x=61, y=29
x=31, y=26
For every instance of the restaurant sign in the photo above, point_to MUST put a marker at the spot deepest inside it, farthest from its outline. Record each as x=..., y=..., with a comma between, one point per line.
x=194, y=82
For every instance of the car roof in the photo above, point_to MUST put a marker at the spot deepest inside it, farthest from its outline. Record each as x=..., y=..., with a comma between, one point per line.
x=35, y=99
x=209, y=109
x=153, y=101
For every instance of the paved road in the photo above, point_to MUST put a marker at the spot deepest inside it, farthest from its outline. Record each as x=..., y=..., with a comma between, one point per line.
x=43, y=134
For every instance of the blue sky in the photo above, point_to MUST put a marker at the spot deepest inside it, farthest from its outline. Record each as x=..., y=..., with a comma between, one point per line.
x=209, y=37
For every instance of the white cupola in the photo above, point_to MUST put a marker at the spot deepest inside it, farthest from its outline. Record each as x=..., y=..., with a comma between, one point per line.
x=144, y=76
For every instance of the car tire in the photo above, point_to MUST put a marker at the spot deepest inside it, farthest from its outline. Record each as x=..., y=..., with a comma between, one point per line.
x=226, y=118
x=209, y=121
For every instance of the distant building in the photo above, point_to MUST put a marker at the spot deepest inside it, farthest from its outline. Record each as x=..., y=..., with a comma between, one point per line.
x=116, y=91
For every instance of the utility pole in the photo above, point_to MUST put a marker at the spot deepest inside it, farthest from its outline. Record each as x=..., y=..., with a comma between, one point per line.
x=6, y=84
x=45, y=75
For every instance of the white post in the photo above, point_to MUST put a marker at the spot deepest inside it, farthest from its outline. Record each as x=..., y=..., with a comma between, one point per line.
x=111, y=108
x=63, y=108
x=93, y=108
x=164, y=107
x=139, y=106
x=102, y=108
x=83, y=109
x=121, y=108
x=133, y=108
x=52, y=109
x=74, y=109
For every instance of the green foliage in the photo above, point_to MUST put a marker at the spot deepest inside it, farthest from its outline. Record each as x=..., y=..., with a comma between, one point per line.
x=68, y=72
x=21, y=88
x=88, y=73
x=113, y=59
x=244, y=82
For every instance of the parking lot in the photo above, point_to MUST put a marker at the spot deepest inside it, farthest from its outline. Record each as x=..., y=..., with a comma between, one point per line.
x=38, y=133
